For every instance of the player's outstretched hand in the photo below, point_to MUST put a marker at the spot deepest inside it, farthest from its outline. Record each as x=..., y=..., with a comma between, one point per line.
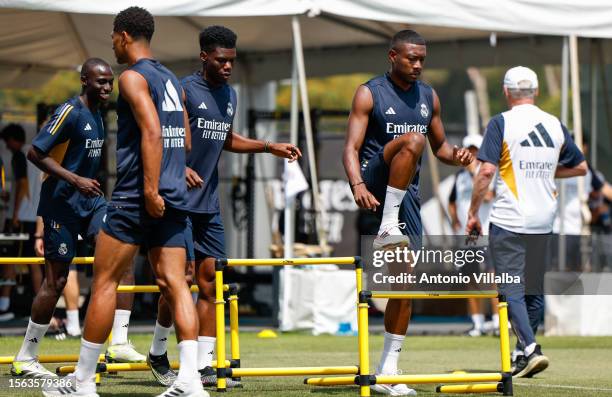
x=39, y=247
x=285, y=150
x=193, y=179
x=88, y=187
x=154, y=203
x=364, y=198
x=462, y=156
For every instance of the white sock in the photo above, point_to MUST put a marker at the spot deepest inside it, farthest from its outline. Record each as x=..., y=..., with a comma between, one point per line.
x=120, y=327
x=88, y=360
x=516, y=352
x=159, y=344
x=390, y=355
x=478, y=320
x=72, y=322
x=31, y=341
x=206, y=351
x=188, y=361
x=529, y=349
x=393, y=201
x=5, y=302
x=495, y=319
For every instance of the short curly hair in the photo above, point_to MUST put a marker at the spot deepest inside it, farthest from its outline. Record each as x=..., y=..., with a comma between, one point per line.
x=136, y=21
x=217, y=36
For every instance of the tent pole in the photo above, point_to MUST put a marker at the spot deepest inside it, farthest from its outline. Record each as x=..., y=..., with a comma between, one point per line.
x=594, y=73
x=564, y=120
x=312, y=165
x=293, y=138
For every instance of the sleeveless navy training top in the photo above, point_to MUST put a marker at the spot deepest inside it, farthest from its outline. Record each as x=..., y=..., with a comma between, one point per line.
x=396, y=112
x=166, y=93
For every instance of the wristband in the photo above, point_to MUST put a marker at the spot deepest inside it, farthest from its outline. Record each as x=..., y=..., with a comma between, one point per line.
x=38, y=237
x=267, y=147
x=356, y=184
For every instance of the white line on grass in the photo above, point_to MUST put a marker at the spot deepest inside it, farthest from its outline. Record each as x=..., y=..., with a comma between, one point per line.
x=562, y=386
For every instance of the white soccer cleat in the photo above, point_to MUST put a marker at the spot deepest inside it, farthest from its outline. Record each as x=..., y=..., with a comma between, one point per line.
x=123, y=353
x=391, y=237
x=180, y=389
x=68, y=386
x=31, y=369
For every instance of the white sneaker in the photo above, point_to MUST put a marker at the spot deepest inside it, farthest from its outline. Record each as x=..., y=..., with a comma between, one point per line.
x=31, y=369
x=68, y=386
x=181, y=389
x=398, y=389
x=391, y=237
x=123, y=353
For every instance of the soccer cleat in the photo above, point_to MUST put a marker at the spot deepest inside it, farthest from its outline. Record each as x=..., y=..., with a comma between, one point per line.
x=160, y=368
x=526, y=367
x=68, y=386
x=31, y=369
x=123, y=353
x=475, y=332
x=208, y=375
x=180, y=389
x=391, y=237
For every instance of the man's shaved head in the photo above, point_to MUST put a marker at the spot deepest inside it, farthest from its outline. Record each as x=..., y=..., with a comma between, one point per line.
x=406, y=37
x=91, y=64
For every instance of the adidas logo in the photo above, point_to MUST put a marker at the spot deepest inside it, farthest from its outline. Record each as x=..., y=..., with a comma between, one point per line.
x=390, y=111
x=398, y=350
x=172, y=102
x=33, y=340
x=125, y=325
x=211, y=352
x=163, y=339
x=87, y=127
x=534, y=139
x=202, y=106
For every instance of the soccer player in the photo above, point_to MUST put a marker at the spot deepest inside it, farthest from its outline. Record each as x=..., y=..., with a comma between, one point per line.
x=146, y=206
x=68, y=149
x=390, y=117
x=211, y=105
x=527, y=148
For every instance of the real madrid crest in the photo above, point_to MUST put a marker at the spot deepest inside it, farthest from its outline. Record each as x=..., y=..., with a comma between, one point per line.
x=424, y=110
x=230, y=109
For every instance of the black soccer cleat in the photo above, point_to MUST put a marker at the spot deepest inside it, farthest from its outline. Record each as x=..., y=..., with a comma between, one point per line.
x=160, y=368
x=528, y=366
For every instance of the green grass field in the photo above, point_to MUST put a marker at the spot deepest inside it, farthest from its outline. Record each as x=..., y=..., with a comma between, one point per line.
x=579, y=366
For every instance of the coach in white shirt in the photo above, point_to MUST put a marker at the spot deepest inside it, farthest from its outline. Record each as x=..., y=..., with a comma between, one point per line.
x=525, y=149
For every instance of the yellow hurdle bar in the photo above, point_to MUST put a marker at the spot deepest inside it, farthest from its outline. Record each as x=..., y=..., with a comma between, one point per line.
x=411, y=379
x=234, y=333
x=475, y=388
x=295, y=371
x=332, y=381
x=434, y=294
x=122, y=367
x=347, y=260
x=439, y=378
x=220, y=323
x=50, y=358
x=87, y=260
x=504, y=337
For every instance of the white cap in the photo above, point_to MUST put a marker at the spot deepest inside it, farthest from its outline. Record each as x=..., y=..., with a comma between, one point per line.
x=521, y=78
x=472, y=140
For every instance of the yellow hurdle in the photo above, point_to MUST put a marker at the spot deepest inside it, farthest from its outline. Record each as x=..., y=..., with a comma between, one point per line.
x=474, y=388
x=224, y=372
x=87, y=260
x=49, y=358
x=121, y=367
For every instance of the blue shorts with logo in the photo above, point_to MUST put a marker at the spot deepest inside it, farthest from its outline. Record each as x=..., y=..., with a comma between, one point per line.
x=208, y=236
x=135, y=226
x=61, y=233
x=375, y=174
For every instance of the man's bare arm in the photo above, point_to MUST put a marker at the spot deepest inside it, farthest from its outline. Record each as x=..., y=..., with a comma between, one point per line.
x=446, y=153
x=482, y=181
x=570, y=172
x=134, y=89
x=363, y=104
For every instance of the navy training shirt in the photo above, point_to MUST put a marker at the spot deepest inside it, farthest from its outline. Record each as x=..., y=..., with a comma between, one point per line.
x=165, y=91
x=74, y=137
x=396, y=112
x=211, y=115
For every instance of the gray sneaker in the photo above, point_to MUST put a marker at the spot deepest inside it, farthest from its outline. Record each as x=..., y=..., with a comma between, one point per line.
x=160, y=368
x=391, y=237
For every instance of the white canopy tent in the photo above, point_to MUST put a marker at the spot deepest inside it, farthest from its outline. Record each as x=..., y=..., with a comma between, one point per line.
x=277, y=37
